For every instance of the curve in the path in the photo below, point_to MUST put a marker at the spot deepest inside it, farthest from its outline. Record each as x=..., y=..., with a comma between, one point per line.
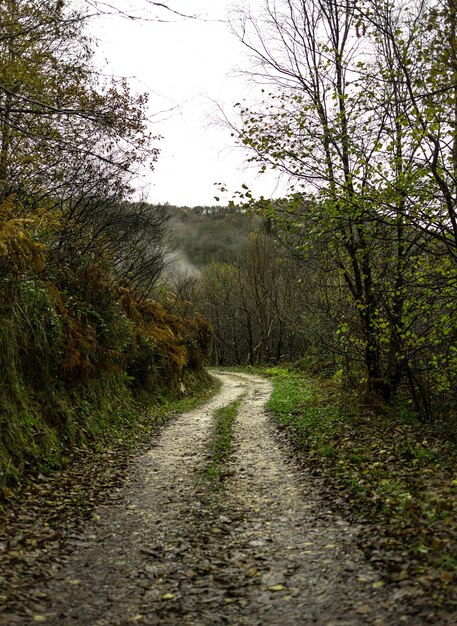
x=262, y=549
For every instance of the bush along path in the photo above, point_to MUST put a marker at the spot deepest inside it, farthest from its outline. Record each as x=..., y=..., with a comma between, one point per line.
x=253, y=543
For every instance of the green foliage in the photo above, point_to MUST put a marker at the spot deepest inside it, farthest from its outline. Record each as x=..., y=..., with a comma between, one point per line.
x=210, y=234
x=392, y=469
x=74, y=343
x=79, y=331
x=62, y=125
x=373, y=170
x=298, y=404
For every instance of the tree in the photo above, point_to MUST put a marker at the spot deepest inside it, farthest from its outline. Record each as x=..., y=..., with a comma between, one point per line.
x=369, y=155
x=316, y=129
x=252, y=304
x=53, y=107
x=71, y=142
x=426, y=103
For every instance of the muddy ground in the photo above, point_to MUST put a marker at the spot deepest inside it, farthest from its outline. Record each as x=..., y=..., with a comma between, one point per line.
x=169, y=546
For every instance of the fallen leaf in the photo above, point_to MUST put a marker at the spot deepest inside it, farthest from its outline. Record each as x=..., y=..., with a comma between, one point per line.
x=399, y=576
x=447, y=577
x=364, y=579
x=252, y=573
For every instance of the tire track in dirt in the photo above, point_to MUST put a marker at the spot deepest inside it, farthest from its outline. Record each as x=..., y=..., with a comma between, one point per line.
x=305, y=558
x=261, y=549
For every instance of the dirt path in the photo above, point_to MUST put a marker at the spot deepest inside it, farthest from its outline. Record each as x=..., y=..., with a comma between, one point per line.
x=263, y=549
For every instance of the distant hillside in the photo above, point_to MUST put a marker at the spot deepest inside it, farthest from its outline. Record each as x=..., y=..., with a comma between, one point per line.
x=206, y=234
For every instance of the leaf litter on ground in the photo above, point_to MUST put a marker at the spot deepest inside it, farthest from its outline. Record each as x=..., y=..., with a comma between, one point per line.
x=42, y=518
x=394, y=473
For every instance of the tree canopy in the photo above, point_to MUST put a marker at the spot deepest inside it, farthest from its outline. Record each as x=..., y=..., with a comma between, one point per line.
x=359, y=110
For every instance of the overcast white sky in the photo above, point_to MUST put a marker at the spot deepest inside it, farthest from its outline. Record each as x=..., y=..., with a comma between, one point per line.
x=186, y=66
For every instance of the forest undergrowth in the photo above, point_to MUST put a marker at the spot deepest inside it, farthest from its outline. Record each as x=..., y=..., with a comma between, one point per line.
x=78, y=349
x=87, y=324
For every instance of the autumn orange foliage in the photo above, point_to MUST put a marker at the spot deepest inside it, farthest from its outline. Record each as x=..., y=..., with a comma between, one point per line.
x=18, y=249
x=74, y=338
x=103, y=325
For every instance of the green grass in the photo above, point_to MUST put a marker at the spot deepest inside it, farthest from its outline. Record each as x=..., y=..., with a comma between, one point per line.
x=222, y=439
x=392, y=470
x=301, y=405
x=44, y=433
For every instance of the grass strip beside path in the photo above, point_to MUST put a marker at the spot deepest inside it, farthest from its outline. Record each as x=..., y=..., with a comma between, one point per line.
x=394, y=472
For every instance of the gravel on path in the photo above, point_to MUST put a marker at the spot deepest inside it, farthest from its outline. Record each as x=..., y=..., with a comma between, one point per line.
x=263, y=548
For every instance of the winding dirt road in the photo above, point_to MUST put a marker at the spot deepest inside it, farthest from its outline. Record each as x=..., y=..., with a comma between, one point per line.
x=262, y=549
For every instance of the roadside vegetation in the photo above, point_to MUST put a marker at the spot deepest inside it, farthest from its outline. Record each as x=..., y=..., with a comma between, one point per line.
x=222, y=439
x=73, y=365
x=86, y=324
x=382, y=466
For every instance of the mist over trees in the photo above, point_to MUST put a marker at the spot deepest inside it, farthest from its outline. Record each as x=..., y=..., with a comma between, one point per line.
x=359, y=111
x=254, y=292
x=209, y=233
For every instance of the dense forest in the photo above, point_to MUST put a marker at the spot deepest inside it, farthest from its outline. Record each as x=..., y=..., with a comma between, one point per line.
x=209, y=234
x=234, y=272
